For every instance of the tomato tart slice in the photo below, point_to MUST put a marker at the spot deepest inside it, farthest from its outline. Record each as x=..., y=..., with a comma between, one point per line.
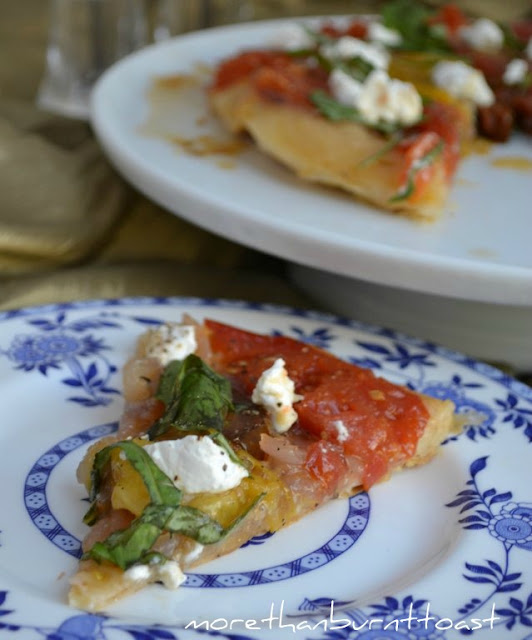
x=226, y=435
x=382, y=108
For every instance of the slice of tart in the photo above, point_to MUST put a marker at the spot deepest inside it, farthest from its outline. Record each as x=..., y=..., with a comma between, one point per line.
x=346, y=112
x=381, y=108
x=226, y=435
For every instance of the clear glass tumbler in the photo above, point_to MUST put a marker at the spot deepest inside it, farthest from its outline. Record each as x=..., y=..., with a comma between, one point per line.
x=85, y=37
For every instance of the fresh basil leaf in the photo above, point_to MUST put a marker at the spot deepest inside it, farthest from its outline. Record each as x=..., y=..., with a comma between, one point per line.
x=222, y=442
x=511, y=41
x=127, y=547
x=334, y=110
x=319, y=37
x=356, y=67
x=133, y=544
x=388, y=146
x=160, y=487
x=166, y=389
x=199, y=399
x=411, y=19
x=92, y=515
x=195, y=524
x=405, y=192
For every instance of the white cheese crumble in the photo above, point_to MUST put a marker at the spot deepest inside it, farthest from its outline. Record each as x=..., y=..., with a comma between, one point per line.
x=379, y=98
x=341, y=430
x=515, y=71
x=196, y=464
x=389, y=100
x=463, y=81
x=347, y=47
x=169, y=573
x=194, y=553
x=483, y=35
x=344, y=87
x=377, y=32
x=170, y=341
x=275, y=392
x=292, y=37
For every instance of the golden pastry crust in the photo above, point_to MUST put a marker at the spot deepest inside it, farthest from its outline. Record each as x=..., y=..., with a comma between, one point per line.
x=327, y=152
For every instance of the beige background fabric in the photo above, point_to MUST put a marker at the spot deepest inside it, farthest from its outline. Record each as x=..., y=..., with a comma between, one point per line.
x=70, y=228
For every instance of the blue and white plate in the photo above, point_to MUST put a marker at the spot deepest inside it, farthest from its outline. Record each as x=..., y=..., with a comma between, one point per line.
x=435, y=553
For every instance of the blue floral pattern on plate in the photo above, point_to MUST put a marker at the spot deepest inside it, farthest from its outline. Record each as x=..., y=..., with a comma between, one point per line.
x=72, y=346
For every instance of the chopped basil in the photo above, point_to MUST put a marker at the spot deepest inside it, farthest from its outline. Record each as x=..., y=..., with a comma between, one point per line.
x=336, y=111
x=128, y=546
x=408, y=189
x=170, y=376
x=222, y=442
x=160, y=487
x=196, y=398
x=411, y=19
x=511, y=41
x=319, y=37
x=388, y=146
x=133, y=544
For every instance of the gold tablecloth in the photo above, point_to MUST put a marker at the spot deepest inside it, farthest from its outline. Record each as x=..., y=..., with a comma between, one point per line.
x=71, y=229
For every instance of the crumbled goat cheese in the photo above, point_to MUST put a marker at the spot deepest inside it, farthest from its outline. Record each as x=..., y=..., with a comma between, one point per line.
x=462, y=81
x=515, y=71
x=275, y=392
x=347, y=47
x=344, y=87
x=196, y=464
x=377, y=32
x=379, y=98
x=169, y=573
x=390, y=100
x=138, y=573
x=292, y=37
x=341, y=429
x=170, y=341
x=194, y=553
x=483, y=35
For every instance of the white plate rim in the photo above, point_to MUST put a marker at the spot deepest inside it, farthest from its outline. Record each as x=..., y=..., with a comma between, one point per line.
x=480, y=279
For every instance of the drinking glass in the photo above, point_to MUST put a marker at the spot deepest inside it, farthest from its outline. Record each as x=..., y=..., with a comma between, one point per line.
x=85, y=37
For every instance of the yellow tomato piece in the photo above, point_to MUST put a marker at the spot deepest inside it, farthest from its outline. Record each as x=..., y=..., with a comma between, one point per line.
x=227, y=506
x=129, y=491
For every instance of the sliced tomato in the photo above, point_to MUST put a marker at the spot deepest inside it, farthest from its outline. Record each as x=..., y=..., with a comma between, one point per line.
x=445, y=121
x=381, y=423
x=243, y=65
x=416, y=177
x=492, y=65
x=523, y=30
x=355, y=29
x=451, y=16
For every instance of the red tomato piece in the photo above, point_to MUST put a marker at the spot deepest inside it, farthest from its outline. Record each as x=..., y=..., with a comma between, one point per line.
x=381, y=422
x=275, y=75
x=444, y=120
x=355, y=29
x=415, y=148
x=523, y=30
x=451, y=16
